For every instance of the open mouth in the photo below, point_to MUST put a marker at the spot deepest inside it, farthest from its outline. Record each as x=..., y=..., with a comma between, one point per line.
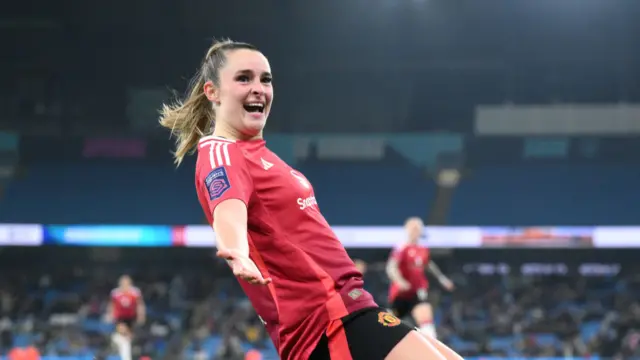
x=254, y=108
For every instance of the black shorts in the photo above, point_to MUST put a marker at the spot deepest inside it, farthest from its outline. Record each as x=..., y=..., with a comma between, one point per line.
x=128, y=321
x=368, y=334
x=403, y=307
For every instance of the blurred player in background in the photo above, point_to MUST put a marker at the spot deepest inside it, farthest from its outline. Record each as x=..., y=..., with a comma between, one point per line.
x=294, y=270
x=360, y=265
x=409, y=284
x=125, y=309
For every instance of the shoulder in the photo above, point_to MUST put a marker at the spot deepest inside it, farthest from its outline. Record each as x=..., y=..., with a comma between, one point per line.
x=136, y=292
x=218, y=158
x=214, y=152
x=115, y=292
x=399, y=251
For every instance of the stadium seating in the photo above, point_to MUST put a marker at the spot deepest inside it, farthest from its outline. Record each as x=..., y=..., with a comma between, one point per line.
x=98, y=193
x=351, y=193
x=558, y=194
x=485, y=317
x=132, y=193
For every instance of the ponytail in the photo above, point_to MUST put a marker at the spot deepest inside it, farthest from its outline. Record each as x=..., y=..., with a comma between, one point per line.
x=189, y=120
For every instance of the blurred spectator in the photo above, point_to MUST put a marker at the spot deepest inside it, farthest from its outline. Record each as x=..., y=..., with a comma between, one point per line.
x=230, y=349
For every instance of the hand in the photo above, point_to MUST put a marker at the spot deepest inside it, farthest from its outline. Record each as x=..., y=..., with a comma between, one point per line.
x=243, y=267
x=447, y=284
x=403, y=285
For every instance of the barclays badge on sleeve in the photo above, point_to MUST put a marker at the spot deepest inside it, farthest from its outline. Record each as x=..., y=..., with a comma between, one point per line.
x=217, y=183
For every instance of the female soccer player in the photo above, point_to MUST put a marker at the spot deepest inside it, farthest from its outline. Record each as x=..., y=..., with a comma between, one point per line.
x=409, y=284
x=125, y=309
x=291, y=265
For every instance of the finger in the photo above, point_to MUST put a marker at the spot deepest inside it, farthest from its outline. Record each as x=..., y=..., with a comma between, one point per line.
x=260, y=281
x=243, y=274
x=264, y=281
x=225, y=254
x=256, y=278
x=238, y=270
x=247, y=275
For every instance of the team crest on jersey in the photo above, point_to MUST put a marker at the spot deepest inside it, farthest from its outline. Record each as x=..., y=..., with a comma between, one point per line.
x=388, y=319
x=217, y=182
x=355, y=293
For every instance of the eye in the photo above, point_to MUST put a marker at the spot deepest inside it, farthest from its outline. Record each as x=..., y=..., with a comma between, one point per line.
x=243, y=78
x=267, y=80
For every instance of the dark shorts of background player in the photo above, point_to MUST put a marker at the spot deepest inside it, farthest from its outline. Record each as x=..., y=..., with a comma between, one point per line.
x=129, y=321
x=403, y=307
x=368, y=334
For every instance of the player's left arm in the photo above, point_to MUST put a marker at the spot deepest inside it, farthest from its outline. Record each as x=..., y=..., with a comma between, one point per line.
x=393, y=269
x=110, y=313
x=434, y=269
x=141, y=309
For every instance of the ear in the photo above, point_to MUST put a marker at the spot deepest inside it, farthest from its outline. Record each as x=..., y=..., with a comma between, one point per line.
x=211, y=92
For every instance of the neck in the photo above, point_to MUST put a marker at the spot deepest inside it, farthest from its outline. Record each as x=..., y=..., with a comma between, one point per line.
x=225, y=131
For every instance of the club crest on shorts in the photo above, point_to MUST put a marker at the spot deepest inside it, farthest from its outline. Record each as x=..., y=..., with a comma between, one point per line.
x=217, y=182
x=388, y=319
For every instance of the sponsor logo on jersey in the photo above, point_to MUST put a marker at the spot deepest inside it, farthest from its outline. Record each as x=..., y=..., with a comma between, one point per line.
x=355, y=293
x=388, y=319
x=217, y=182
x=308, y=202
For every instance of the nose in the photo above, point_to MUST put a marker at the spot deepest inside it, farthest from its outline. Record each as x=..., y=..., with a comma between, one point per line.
x=257, y=88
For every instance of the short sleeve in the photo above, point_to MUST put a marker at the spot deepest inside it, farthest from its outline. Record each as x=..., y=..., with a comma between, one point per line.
x=398, y=254
x=222, y=173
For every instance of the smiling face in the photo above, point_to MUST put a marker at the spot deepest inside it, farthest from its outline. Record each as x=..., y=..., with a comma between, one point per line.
x=243, y=93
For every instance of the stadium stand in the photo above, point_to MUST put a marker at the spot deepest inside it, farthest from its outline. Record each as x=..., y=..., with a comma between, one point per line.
x=195, y=307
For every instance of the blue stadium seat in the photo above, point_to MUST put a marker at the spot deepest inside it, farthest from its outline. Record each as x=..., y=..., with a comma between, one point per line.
x=369, y=193
x=131, y=193
x=559, y=194
x=117, y=193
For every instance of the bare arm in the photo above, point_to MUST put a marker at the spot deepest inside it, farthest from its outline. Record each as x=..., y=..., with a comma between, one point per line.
x=230, y=225
x=443, y=279
x=109, y=315
x=393, y=272
x=142, y=311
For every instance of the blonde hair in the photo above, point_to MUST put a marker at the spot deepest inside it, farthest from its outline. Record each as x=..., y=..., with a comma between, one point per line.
x=413, y=219
x=194, y=117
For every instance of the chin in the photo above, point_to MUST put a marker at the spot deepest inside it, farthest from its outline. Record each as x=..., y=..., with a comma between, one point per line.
x=253, y=129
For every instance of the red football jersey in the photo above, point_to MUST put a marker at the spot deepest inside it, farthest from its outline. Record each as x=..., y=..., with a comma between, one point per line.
x=125, y=303
x=412, y=261
x=314, y=280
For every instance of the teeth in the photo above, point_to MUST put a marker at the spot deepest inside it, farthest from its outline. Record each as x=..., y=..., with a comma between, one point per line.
x=256, y=104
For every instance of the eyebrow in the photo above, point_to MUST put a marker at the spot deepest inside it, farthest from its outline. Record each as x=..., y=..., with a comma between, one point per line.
x=248, y=72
